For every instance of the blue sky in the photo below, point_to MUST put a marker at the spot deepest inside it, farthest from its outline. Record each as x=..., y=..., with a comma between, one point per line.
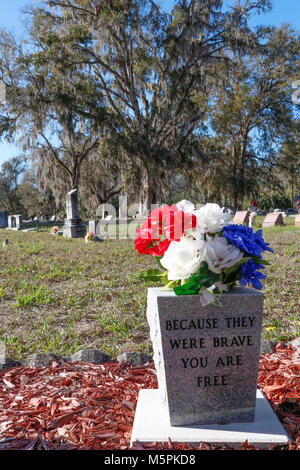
x=284, y=11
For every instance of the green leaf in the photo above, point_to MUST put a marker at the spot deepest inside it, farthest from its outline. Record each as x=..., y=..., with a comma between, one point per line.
x=257, y=260
x=235, y=266
x=171, y=284
x=195, y=284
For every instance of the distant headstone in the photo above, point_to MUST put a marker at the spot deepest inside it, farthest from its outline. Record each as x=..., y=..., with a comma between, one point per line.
x=53, y=218
x=19, y=221
x=11, y=221
x=72, y=204
x=296, y=199
x=5, y=242
x=273, y=219
x=241, y=217
x=3, y=219
x=73, y=227
x=297, y=220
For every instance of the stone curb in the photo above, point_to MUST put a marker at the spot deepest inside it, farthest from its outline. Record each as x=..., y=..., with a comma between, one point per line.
x=94, y=356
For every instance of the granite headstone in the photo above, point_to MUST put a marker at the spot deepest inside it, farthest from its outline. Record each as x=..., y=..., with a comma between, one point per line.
x=275, y=218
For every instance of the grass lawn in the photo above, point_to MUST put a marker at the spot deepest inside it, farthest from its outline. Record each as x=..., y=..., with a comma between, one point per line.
x=61, y=295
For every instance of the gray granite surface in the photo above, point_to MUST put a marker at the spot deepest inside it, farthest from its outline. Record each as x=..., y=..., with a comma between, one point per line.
x=206, y=357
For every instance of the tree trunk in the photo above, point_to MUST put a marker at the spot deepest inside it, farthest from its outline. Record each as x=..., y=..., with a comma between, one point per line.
x=241, y=184
x=235, y=177
x=146, y=196
x=293, y=187
x=76, y=172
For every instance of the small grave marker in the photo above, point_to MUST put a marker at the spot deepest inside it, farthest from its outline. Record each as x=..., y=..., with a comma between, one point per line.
x=297, y=220
x=15, y=222
x=241, y=217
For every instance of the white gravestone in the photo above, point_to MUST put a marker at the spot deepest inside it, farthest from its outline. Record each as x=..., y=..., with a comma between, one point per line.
x=15, y=222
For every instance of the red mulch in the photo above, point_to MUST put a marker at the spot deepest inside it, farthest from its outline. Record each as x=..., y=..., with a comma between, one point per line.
x=91, y=407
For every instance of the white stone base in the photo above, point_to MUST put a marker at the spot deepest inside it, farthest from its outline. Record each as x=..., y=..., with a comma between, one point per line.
x=151, y=424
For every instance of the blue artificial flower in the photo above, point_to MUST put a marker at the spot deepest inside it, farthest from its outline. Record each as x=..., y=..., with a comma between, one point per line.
x=251, y=275
x=246, y=240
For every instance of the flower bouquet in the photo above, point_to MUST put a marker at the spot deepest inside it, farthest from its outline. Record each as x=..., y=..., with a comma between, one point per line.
x=54, y=230
x=200, y=251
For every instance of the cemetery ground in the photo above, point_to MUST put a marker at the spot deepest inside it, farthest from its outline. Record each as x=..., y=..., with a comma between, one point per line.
x=61, y=295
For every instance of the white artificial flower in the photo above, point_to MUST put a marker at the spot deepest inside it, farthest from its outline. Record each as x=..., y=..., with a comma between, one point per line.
x=183, y=258
x=185, y=206
x=220, y=286
x=220, y=254
x=211, y=218
x=206, y=297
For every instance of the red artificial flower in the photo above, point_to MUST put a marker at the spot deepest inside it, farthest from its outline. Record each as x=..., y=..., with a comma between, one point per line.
x=159, y=249
x=165, y=223
x=254, y=203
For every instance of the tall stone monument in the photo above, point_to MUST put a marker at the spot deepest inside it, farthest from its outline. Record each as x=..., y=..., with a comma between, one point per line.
x=73, y=228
